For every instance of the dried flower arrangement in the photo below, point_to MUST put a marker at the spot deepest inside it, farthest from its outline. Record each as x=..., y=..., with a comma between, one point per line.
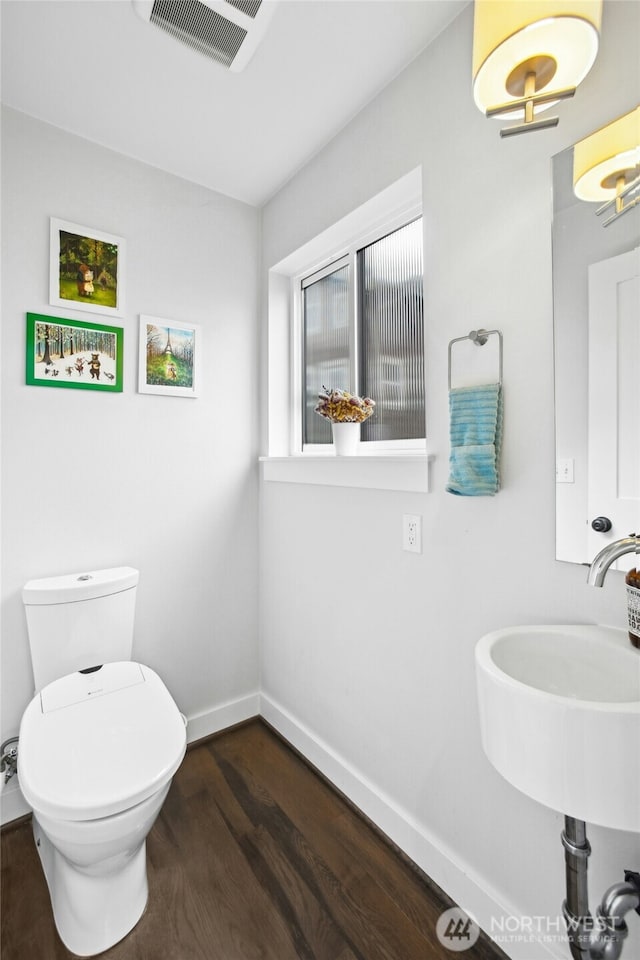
x=342, y=407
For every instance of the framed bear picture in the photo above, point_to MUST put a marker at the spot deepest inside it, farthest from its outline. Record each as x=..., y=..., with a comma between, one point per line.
x=72, y=353
x=86, y=269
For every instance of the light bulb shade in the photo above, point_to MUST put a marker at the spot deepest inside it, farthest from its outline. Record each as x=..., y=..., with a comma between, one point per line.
x=557, y=41
x=600, y=160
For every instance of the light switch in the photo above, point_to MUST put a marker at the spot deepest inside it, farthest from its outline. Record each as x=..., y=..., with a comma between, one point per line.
x=564, y=470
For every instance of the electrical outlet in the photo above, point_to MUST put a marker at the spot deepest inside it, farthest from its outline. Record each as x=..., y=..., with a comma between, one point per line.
x=412, y=532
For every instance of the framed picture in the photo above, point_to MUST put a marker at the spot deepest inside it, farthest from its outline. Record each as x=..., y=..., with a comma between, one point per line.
x=72, y=353
x=86, y=269
x=169, y=359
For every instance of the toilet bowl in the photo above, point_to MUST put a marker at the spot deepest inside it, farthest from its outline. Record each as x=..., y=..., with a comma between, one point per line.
x=97, y=754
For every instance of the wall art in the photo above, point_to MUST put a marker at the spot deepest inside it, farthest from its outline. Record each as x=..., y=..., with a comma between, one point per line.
x=170, y=357
x=86, y=269
x=72, y=353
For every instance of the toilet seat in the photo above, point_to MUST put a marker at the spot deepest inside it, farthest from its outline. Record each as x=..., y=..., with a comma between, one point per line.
x=95, y=744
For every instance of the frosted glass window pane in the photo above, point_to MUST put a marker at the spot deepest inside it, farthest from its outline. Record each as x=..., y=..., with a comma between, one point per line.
x=392, y=335
x=327, y=347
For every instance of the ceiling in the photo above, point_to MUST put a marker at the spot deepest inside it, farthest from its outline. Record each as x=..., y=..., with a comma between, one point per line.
x=94, y=68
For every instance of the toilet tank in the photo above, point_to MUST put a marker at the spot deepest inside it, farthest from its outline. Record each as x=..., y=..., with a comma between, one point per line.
x=79, y=620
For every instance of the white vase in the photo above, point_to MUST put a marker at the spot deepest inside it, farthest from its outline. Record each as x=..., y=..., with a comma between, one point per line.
x=346, y=438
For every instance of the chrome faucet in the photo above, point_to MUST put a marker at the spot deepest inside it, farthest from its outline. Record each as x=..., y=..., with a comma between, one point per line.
x=608, y=555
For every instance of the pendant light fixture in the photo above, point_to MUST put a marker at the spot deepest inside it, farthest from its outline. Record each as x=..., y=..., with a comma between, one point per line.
x=529, y=54
x=606, y=166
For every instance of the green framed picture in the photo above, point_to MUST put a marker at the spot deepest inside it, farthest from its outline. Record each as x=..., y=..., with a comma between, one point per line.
x=73, y=353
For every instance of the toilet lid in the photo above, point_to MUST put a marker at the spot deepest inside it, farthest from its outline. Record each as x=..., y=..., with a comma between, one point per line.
x=94, y=744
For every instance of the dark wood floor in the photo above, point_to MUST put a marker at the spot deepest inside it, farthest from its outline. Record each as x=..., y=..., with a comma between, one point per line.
x=253, y=857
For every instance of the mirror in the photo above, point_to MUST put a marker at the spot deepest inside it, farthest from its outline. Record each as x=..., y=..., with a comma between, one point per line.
x=596, y=297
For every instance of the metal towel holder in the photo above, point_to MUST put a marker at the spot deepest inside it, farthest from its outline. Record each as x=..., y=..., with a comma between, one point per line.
x=479, y=337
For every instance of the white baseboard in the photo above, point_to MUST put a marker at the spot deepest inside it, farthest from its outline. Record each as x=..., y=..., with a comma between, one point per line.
x=471, y=892
x=219, y=718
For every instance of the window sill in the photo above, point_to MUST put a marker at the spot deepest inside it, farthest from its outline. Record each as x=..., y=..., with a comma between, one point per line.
x=409, y=472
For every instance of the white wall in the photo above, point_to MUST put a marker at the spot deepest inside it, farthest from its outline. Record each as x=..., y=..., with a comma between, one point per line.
x=167, y=485
x=374, y=677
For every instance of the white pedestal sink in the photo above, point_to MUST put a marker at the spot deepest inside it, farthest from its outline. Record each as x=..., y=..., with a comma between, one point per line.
x=560, y=718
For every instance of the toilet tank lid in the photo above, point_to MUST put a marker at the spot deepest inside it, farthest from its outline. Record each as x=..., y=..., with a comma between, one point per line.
x=86, y=585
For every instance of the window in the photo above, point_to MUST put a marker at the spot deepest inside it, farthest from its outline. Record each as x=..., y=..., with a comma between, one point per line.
x=362, y=330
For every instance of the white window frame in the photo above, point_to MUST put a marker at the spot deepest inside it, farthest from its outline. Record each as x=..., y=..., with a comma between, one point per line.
x=389, y=466
x=330, y=261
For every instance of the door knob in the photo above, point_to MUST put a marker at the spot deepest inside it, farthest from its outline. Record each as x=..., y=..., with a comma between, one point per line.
x=601, y=524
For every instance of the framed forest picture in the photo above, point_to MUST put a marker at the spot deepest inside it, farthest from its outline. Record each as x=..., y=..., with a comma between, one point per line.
x=86, y=269
x=169, y=358
x=72, y=353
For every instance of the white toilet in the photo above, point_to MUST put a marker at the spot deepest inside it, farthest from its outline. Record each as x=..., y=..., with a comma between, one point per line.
x=99, y=745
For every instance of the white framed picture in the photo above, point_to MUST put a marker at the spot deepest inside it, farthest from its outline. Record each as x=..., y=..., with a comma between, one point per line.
x=169, y=360
x=86, y=269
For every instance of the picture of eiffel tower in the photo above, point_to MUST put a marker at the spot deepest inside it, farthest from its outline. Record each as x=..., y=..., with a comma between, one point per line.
x=169, y=360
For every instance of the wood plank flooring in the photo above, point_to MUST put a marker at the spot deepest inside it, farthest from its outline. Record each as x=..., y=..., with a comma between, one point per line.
x=253, y=857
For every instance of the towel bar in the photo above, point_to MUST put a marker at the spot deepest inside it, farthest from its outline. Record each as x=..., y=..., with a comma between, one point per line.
x=479, y=337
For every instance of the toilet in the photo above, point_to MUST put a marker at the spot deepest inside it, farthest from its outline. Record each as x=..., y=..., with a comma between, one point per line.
x=99, y=745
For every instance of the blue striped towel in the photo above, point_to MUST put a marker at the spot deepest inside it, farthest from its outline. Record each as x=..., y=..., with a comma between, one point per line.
x=476, y=438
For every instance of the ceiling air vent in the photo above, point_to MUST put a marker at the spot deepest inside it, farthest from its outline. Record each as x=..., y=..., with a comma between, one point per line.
x=228, y=31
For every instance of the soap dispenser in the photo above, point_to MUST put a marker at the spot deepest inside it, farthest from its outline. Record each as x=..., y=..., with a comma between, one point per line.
x=632, y=580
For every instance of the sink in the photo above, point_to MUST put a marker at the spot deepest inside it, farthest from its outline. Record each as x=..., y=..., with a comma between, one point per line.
x=560, y=718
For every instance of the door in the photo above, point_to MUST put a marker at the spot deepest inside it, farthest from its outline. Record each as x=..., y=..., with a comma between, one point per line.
x=614, y=400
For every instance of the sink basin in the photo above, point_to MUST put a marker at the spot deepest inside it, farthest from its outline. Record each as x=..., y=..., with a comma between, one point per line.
x=560, y=718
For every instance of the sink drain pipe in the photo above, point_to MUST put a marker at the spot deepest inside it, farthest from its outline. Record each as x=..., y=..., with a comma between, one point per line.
x=601, y=937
